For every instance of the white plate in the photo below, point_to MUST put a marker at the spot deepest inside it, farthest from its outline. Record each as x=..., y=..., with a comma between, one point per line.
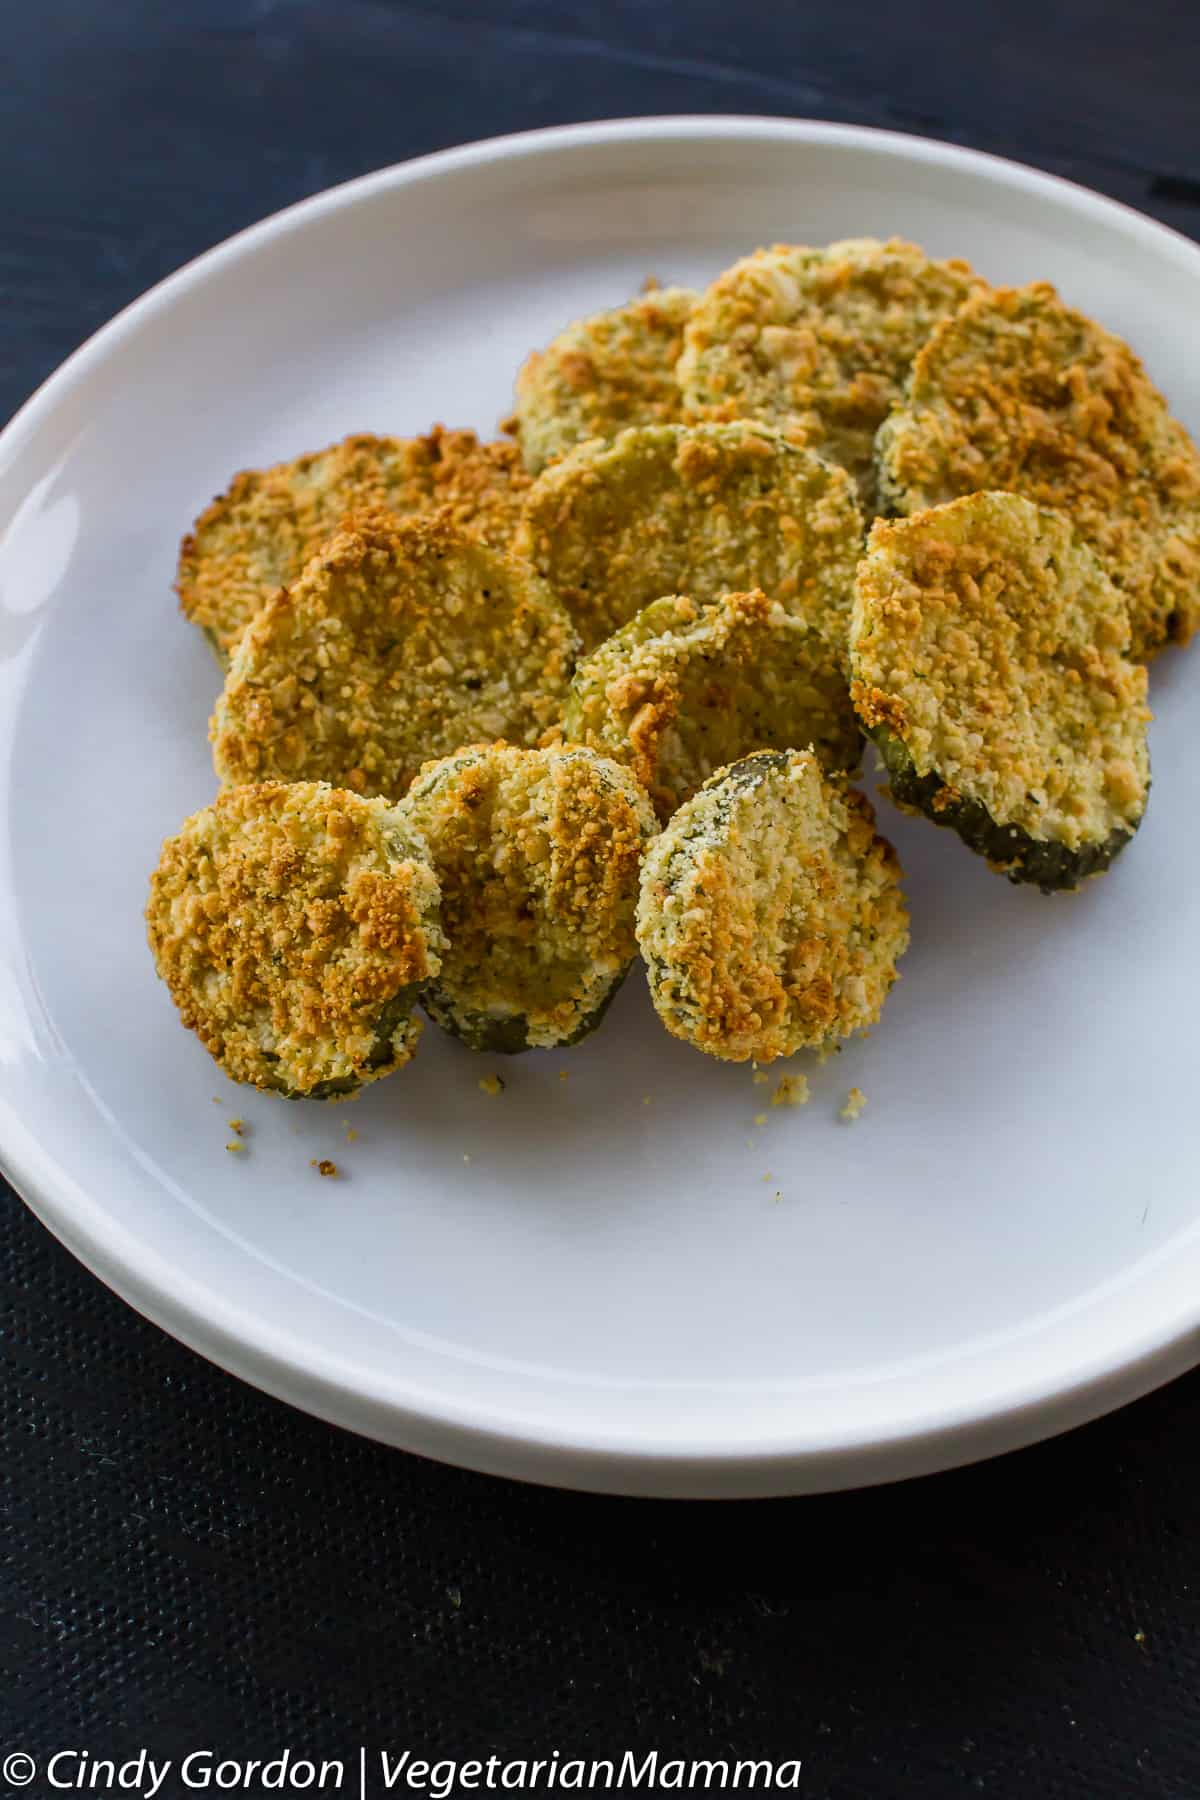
x=589, y=1280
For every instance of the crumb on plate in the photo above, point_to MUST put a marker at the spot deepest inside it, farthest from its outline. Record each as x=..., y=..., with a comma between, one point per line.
x=791, y=1090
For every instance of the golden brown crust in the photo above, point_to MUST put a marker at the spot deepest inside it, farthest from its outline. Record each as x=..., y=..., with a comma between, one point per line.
x=771, y=915
x=817, y=342
x=699, y=510
x=294, y=926
x=602, y=374
x=683, y=689
x=400, y=641
x=537, y=854
x=990, y=642
x=1019, y=392
x=257, y=536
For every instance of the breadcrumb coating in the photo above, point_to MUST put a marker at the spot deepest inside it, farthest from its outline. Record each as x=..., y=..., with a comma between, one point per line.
x=257, y=536
x=770, y=916
x=702, y=510
x=295, y=927
x=537, y=854
x=603, y=374
x=401, y=641
x=791, y=1090
x=1018, y=391
x=988, y=643
x=817, y=342
x=684, y=689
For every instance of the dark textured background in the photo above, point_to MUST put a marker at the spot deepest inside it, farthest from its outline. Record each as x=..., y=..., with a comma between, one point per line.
x=187, y=1563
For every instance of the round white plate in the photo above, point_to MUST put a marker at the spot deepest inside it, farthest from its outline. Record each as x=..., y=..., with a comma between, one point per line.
x=629, y=1271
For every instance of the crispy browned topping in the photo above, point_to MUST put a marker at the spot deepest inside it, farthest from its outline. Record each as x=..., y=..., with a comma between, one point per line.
x=258, y=535
x=704, y=511
x=683, y=689
x=1018, y=391
x=294, y=926
x=989, y=640
x=602, y=374
x=817, y=342
x=771, y=915
x=400, y=641
x=537, y=853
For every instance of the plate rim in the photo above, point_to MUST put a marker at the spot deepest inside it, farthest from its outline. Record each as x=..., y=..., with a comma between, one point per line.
x=310, y=1381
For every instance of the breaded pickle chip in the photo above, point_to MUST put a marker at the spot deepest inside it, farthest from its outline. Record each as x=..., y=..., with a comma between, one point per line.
x=603, y=374
x=537, y=854
x=987, y=650
x=771, y=915
x=257, y=536
x=683, y=689
x=400, y=641
x=700, y=510
x=295, y=927
x=817, y=342
x=1018, y=391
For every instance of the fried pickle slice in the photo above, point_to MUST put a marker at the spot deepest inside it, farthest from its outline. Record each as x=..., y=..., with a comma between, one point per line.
x=257, y=536
x=295, y=926
x=1019, y=392
x=988, y=655
x=700, y=510
x=401, y=641
x=818, y=342
x=771, y=916
x=684, y=689
x=603, y=374
x=537, y=854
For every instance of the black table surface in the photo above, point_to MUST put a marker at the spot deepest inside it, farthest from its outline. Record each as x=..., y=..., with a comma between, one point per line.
x=189, y=1565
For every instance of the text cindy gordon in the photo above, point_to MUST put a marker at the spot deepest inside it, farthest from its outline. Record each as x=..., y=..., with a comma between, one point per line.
x=373, y=1772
